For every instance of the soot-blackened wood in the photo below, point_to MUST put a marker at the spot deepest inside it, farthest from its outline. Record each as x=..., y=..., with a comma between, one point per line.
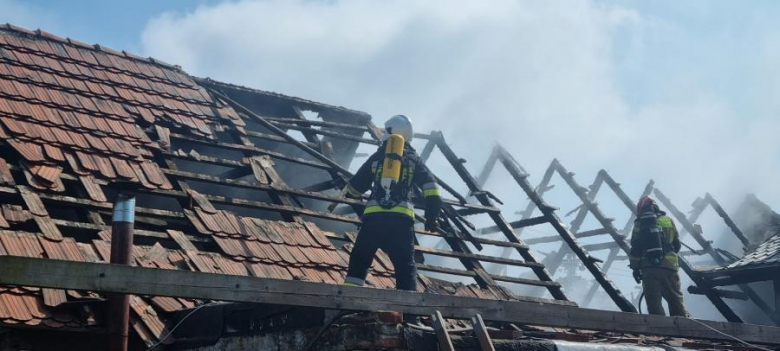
x=605, y=268
x=583, y=210
x=326, y=132
x=484, y=258
x=499, y=220
x=727, y=219
x=47, y=273
x=607, y=224
x=276, y=138
x=276, y=130
x=310, y=136
x=522, y=223
x=256, y=150
x=540, y=189
x=580, y=235
x=589, y=262
x=502, y=278
x=487, y=169
x=484, y=279
x=427, y=150
x=716, y=256
x=590, y=205
x=716, y=300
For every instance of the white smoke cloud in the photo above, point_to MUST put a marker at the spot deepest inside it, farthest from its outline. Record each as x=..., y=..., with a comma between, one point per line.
x=683, y=93
x=597, y=85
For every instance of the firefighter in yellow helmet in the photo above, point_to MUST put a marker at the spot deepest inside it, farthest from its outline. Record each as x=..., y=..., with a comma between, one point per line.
x=655, y=243
x=391, y=173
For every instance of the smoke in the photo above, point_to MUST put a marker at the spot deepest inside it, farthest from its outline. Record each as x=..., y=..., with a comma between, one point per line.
x=594, y=84
x=679, y=92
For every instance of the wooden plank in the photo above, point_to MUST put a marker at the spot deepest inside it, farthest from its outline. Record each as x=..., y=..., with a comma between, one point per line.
x=485, y=344
x=271, y=137
x=328, y=163
x=308, y=193
x=67, y=200
x=308, y=134
x=445, y=343
x=600, y=246
x=587, y=260
x=137, y=232
x=497, y=218
x=727, y=219
x=181, y=239
x=503, y=278
x=309, y=122
x=57, y=274
x=716, y=299
x=256, y=150
x=554, y=238
x=716, y=256
x=527, y=222
x=483, y=258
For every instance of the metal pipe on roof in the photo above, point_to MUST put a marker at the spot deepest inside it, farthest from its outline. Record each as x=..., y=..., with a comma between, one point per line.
x=121, y=253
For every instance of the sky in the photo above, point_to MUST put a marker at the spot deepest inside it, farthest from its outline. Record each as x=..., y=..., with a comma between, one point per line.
x=683, y=92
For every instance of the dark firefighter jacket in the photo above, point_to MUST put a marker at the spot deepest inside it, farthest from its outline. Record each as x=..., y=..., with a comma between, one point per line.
x=637, y=259
x=413, y=173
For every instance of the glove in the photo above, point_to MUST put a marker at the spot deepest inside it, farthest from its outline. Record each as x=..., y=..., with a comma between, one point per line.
x=431, y=225
x=637, y=276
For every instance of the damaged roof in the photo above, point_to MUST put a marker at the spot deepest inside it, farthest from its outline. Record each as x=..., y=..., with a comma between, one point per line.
x=75, y=118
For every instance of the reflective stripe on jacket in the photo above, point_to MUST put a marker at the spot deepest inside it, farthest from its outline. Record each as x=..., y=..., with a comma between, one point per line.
x=672, y=238
x=414, y=172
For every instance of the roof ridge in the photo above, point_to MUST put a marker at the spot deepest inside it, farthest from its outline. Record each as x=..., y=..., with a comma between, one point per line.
x=208, y=81
x=42, y=34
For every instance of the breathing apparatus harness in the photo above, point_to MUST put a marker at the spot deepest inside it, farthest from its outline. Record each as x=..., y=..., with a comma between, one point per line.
x=653, y=240
x=392, y=187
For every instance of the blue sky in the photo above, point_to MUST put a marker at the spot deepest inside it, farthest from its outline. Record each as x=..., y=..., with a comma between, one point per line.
x=113, y=23
x=588, y=80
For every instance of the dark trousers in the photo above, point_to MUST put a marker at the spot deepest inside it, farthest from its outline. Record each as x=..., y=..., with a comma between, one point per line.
x=393, y=234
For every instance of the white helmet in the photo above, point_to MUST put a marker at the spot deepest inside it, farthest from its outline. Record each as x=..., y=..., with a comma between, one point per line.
x=401, y=125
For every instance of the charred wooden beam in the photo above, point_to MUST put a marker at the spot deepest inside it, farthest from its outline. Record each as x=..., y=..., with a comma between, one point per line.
x=587, y=260
x=499, y=220
x=716, y=300
x=427, y=150
x=276, y=130
x=580, y=235
x=310, y=136
x=309, y=122
x=278, y=139
x=600, y=246
x=727, y=219
x=313, y=131
x=496, y=277
x=716, y=256
x=595, y=287
x=221, y=287
x=729, y=294
x=255, y=150
x=522, y=223
x=483, y=258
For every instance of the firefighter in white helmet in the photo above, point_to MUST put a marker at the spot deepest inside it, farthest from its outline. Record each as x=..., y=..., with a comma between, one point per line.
x=391, y=174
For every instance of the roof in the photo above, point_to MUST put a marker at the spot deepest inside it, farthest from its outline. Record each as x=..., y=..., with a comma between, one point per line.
x=762, y=226
x=75, y=118
x=766, y=254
